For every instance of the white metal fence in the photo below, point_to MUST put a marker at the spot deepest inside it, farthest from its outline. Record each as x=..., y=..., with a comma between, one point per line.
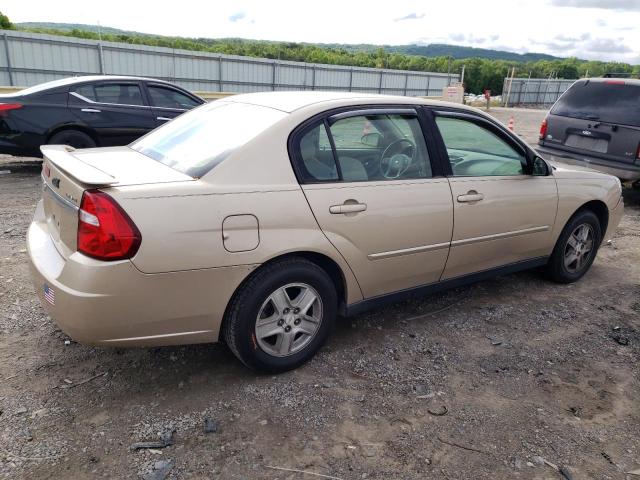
x=27, y=59
x=533, y=91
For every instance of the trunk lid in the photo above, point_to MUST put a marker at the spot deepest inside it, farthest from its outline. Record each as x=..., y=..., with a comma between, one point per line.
x=67, y=173
x=609, y=141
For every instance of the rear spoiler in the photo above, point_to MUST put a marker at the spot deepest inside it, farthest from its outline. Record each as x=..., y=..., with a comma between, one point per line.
x=62, y=157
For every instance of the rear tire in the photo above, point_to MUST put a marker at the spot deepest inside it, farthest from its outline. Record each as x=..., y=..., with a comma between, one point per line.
x=576, y=248
x=73, y=138
x=281, y=316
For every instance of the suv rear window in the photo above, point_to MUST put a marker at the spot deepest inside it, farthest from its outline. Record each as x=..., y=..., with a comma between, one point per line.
x=200, y=139
x=608, y=101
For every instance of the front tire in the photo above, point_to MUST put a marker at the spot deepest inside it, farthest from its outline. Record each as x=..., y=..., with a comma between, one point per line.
x=576, y=248
x=281, y=316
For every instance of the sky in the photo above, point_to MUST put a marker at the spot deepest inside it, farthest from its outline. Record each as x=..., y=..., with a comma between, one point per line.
x=589, y=29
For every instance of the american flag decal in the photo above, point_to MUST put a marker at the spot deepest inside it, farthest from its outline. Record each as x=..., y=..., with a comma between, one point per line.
x=49, y=294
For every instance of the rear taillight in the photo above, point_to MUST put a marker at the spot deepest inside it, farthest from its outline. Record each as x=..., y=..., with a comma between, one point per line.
x=5, y=108
x=543, y=129
x=105, y=231
x=638, y=153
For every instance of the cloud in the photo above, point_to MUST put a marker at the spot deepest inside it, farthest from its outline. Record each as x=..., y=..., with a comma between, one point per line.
x=626, y=5
x=237, y=16
x=601, y=23
x=472, y=39
x=585, y=46
x=411, y=16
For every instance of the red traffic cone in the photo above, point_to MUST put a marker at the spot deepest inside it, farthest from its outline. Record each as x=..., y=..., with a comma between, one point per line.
x=510, y=126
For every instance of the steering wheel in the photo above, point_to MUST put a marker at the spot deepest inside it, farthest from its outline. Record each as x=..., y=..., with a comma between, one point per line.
x=398, y=163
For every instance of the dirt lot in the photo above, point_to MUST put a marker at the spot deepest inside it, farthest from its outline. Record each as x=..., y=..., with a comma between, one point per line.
x=504, y=379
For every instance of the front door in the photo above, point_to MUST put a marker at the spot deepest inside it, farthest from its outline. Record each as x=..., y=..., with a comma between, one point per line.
x=502, y=215
x=368, y=178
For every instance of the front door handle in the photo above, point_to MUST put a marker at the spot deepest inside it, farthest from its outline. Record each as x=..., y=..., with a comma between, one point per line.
x=470, y=196
x=163, y=119
x=348, y=208
x=91, y=110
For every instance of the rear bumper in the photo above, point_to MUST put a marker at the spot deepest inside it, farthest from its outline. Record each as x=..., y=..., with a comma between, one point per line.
x=113, y=303
x=624, y=171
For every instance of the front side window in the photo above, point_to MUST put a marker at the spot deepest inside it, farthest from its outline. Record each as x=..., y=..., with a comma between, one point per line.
x=367, y=148
x=118, y=93
x=165, y=97
x=475, y=151
x=198, y=140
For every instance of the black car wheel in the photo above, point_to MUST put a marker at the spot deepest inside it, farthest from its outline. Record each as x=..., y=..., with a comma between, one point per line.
x=576, y=248
x=281, y=316
x=73, y=138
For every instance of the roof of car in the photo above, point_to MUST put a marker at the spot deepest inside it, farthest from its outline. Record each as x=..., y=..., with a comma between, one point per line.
x=627, y=81
x=80, y=79
x=291, y=101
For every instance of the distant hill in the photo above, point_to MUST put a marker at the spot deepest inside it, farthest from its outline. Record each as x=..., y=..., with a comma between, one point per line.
x=431, y=50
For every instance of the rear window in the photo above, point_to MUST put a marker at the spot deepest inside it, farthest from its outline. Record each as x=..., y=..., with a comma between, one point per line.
x=200, y=139
x=611, y=102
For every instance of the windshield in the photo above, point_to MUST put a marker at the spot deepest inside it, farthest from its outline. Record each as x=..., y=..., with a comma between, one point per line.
x=198, y=140
x=608, y=101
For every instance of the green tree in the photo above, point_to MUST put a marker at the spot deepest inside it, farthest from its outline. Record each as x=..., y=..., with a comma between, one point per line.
x=5, y=23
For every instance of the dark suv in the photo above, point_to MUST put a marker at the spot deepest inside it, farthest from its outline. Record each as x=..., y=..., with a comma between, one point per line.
x=596, y=123
x=87, y=112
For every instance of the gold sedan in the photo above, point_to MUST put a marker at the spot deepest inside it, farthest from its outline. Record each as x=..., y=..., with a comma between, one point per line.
x=260, y=218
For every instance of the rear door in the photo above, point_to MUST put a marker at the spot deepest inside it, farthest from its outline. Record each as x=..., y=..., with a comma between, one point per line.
x=502, y=215
x=168, y=102
x=597, y=118
x=380, y=202
x=115, y=110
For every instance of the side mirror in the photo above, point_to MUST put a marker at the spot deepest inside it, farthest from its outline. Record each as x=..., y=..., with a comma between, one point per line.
x=538, y=166
x=371, y=139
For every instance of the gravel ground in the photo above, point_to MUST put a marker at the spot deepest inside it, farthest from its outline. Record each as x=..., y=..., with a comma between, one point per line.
x=514, y=377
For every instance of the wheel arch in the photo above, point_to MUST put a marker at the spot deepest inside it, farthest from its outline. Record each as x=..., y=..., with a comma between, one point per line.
x=323, y=261
x=80, y=128
x=600, y=209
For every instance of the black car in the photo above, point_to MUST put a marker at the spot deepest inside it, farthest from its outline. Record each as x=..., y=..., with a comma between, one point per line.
x=87, y=112
x=596, y=123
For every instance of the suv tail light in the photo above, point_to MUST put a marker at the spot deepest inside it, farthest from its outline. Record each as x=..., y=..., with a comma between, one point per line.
x=105, y=231
x=543, y=129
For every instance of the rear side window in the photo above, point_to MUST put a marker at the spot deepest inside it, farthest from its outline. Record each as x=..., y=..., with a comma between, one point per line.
x=609, y=101
x=86, y=91
x=120, y=93
x=165, y=97
x=200, y=139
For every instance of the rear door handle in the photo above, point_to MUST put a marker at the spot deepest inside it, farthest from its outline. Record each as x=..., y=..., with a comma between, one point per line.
x=163, y=119
x=348, y=208
x=470, y=196
x=91, y=110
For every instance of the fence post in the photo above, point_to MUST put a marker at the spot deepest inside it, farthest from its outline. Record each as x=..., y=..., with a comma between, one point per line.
x=406, y=82
x=219, y=73
x=6, y=51
x=426, y=94
x=100, y=58
x=273, y=78
x=313, y=77
x=380, y=84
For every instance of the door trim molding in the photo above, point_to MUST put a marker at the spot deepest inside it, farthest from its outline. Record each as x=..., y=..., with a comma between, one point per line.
x=499, y=236
x=407, y=251
x=428, y=289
